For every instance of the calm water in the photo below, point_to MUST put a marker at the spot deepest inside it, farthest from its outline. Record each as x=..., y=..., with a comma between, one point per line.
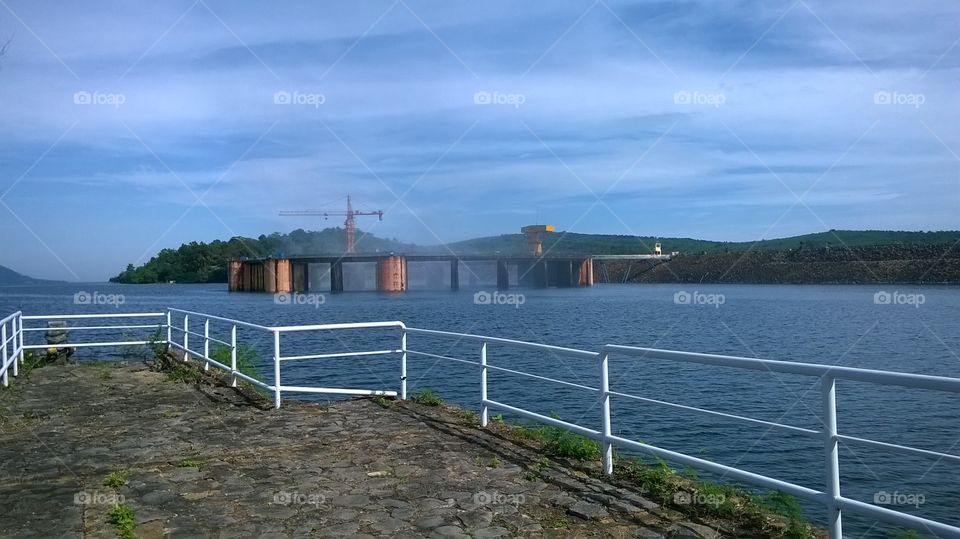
x=836, y=325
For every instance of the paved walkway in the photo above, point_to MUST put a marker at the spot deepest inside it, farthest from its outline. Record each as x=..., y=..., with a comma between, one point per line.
x=202, y=461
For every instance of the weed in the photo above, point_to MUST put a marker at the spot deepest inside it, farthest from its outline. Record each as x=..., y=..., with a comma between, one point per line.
x=116, y=479
x=785, y=504
x=497, y=418
x=467, y=416
x=496, y=462
x=192, y=462
x=169, y=414
x=123, y=519
x=382, y=401
x=247, y=361
x=536, y=472
x=426, y=397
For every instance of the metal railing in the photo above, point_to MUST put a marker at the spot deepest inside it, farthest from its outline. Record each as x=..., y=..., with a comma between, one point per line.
x=12, y=340
x=179, y=338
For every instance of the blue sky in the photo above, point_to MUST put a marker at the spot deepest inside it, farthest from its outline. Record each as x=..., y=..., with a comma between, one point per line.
x=131, y=127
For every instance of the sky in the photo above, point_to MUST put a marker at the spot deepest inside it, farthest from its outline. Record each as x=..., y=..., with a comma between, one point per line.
x=129, y=127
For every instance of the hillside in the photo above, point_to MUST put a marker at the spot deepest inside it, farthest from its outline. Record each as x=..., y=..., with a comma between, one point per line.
x=572, y=243
x=901, y=264
x=8, y=277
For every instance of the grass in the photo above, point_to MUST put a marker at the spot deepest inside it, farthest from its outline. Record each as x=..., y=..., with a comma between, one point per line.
x=124, y=521
x=777, y=514
x=559, y=442
x=426, y=397
x=382, y=401
x=116, y=479
x=192, y=462
x=247, y=361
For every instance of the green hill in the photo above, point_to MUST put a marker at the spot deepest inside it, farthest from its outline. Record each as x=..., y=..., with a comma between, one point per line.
x=199, y=262
x=559, y=243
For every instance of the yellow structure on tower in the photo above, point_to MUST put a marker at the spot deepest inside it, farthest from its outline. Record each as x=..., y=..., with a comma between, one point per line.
x=534, y=239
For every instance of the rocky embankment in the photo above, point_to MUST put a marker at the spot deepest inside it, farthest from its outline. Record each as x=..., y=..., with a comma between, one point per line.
x=935, y=264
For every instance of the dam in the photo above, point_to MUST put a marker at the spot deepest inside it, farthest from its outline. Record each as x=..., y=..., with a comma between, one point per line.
x=398, y=273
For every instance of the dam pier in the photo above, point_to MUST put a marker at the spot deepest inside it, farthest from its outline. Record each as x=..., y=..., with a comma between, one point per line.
x=396, y=273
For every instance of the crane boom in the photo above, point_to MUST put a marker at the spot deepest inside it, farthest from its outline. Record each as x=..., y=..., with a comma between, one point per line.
x=349, y=223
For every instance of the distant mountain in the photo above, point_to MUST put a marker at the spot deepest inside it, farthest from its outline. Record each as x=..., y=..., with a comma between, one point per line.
x=8, y=277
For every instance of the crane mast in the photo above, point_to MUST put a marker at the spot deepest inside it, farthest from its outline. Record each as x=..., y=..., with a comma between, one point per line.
x=349, y=223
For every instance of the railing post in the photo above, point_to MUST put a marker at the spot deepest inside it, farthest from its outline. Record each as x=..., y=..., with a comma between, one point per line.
x=169, y=330
x=233, y=356
x=186, y=337
x=832, y=454
x=206, y=344
x=20, y=330
x=605, y=407
x=484, y=409
x=13, y=349
x=403, y=366
x=3, y=357
x=276, y=369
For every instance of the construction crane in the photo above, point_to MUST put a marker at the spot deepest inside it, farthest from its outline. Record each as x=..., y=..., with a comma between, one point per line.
x=349, y=223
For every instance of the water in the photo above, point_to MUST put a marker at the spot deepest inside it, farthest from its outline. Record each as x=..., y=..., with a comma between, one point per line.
x=834, y=325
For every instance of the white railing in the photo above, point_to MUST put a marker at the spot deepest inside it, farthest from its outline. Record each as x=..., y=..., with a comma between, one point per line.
x=12, y=339
x=830, y=497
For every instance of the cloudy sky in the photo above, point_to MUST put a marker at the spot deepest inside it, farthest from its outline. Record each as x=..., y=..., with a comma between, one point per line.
x=130, y=127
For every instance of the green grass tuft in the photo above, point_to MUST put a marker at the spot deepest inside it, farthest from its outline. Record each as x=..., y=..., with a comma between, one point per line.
x=116, y=479
x=426, y=397
x=123, y=519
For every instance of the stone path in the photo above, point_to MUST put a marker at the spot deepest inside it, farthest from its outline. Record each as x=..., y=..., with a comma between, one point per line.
x=202, y=461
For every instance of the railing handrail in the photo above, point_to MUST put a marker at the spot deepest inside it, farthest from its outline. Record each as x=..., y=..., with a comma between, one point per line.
x=221, y=319
x=903, y=379
x=98, y=315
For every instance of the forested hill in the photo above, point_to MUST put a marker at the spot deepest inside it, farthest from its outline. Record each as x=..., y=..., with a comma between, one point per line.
x=207, y=262
x=571, y=243
x=199, y=262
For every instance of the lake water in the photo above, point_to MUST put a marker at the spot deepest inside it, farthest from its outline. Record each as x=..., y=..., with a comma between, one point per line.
x=834, y=325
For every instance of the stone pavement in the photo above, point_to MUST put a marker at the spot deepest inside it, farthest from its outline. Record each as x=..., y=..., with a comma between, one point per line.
x=203, y=461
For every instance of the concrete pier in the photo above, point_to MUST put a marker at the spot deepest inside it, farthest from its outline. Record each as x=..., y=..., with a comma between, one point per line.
x=202, y=460
x=292, y=274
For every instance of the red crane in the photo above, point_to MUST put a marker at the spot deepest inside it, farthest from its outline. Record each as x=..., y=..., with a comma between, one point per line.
x=349, y=223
